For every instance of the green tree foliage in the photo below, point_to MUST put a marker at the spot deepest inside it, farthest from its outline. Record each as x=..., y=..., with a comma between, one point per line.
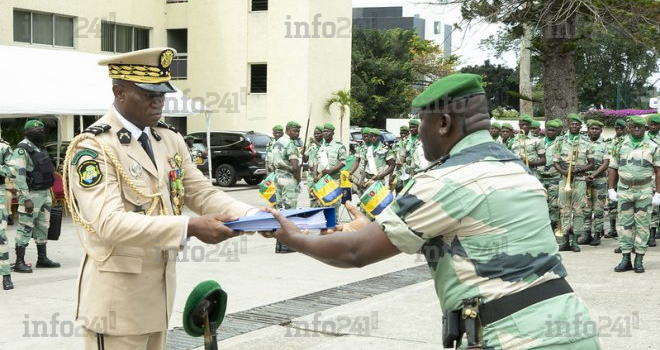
x=498, y=82
x=345, y=102
x=389, y=68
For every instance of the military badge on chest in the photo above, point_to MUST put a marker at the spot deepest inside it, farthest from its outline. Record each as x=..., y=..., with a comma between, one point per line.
x=176, y=182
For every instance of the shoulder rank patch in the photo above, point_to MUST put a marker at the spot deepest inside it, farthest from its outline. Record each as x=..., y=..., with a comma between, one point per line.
x=162, y=124
x=89, y=173
x=155, y=134
x=97, y=129
x=82, y=153
x=124, y=136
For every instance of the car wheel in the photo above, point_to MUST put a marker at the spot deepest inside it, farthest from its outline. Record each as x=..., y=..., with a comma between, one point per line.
x=225, y=175
x=253, y=180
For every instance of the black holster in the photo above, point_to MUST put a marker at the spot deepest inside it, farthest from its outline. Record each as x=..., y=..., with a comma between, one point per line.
x=462, y=321
x=451, y=329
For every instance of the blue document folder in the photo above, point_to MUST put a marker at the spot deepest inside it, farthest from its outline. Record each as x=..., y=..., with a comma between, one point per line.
x=308, y=218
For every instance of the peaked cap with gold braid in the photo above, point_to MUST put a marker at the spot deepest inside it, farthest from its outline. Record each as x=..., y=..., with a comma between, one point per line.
x=149, y=69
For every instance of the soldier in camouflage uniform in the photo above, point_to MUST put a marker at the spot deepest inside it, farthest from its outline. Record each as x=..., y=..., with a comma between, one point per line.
x=5, y=202
x=620, y=128
x=311, y=158
x=535, y=128
x=332, y=157
x=34, y=176
x=573, y=147
x=357, y=170
x=654, y=135
x=278, y=131
x=596, y=184
x=378, y=160
x=527, y=147
x=548, y=175
x=635, y=168
x=396, y=183
x=413, y=163
x=481, y=221
x=507, y=135
x=494, y=130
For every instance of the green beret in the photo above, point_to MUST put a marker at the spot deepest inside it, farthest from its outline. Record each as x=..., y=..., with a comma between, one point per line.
x=620, y=122
x=507, y=126
x=404, y=128
x=365, y=130
x=414, y=122
x=553, y=124
x=526, y=118
x=189, y=137
x=536, y=124
x=449, y=87
x=319, y=128
x=559, y=122
x=637, y=120
x=575, y=117
x=374, y=131
x=278, y=128
x=33, y=124
x=207, y=290
x=654, y=118
x=592, y=122
x=292, y=124
x=496, y=125
x=328, y=126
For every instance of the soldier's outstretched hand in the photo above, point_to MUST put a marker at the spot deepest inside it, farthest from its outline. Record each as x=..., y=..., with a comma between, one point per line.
x=210, y=228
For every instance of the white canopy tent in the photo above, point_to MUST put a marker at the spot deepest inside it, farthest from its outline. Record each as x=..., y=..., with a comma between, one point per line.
x=40, y=82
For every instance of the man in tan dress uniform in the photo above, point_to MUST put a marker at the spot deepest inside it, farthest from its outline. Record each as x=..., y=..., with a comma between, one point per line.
x=128, y=177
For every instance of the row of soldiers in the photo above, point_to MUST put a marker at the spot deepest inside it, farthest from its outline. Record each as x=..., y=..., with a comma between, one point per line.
x=581, y=172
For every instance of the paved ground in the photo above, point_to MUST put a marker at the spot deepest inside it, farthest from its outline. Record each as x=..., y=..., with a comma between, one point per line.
x=37, y=314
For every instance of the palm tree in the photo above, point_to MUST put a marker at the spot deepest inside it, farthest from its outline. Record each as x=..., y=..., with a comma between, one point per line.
x=345, y=101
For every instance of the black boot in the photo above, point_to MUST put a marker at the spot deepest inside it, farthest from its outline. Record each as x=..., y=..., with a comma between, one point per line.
x=42, y=259
x=657, y=234
x=6, y=282
x=639, y=268
x=585, y=239
x=565, y=245
x=625, y=264
x=617, y=250
x=612, y=232
x=575, y=248
x=651, y=242
x=596, y=240
x=10, y=220
x=20, y=265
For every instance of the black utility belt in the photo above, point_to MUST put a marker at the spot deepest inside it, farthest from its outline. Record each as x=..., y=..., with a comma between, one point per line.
x=473, y=316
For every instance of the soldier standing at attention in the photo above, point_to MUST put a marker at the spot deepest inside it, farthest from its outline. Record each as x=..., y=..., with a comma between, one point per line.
x=635, y=168
x=597, y=184
x=379, y=160
x=474, y=194
x=494, y=130
x=357, y=169
x=413, y=161
x=311, y=158
x=573, y=152
x=34, y=176
x=654, y=135
x=620, y=128
x=548, y=175
x=332, y=157
x=278, y=131
x=5, y=202
x=507, y=135
x=535, y=128
x=396, y=183
x=528, y=148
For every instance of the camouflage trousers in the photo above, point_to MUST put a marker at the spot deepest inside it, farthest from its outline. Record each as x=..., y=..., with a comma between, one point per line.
x=551, y=185
x=286, y=190
x=573, y=203
x=634, y=218
x=597, y=204
x=34, y=225
x=4, y=248
x=655, y=217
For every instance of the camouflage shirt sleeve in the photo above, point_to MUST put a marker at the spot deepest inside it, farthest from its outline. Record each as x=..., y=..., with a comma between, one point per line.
x=539, y=146
x=656, y=158
x=341, y=153
x=19, y=162
x=5, y=154
x=292, y=151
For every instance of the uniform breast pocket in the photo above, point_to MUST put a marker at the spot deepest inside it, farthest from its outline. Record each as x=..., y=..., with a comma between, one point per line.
x=135, y=198
x=124, y=260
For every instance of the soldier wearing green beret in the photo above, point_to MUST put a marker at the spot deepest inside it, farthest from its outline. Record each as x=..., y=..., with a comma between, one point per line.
x=527, y=147
x=573, y=159
x=332, y=157
x=507, y=135
x=621, y=129
x=5, y=201
x=495, y=131
x=635, y=169
x=379, y=161
x=596, y=184
x=33, y=180
x=311, y=158
x=473, y=195
x=414, y=151
x=396, y=183
x=357, y=170
x=278, y=131
x=535, y=128
x=548, y=175
x=654, y=134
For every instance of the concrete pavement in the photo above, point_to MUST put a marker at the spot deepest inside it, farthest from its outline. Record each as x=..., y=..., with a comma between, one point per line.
x=37, y=314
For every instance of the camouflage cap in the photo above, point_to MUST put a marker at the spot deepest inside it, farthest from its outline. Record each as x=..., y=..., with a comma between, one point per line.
x=33, y=124
x=496, y=125
x=414, y=122
x=575, y=117
x=637, y=120
x=507, y=126
x=448, y=88
x=594, y=122
x=328, y=126
x=278, y=128
x=653, y=118
x=292, y=124
x=620, y=122
x=526, y=118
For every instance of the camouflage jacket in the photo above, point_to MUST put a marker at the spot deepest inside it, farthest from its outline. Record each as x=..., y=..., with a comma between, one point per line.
x=283, y=151
x=636, y=164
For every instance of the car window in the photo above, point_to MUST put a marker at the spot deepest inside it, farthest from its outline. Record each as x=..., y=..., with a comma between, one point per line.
x=259, y=140
x=356, y=136
x=230, y=140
